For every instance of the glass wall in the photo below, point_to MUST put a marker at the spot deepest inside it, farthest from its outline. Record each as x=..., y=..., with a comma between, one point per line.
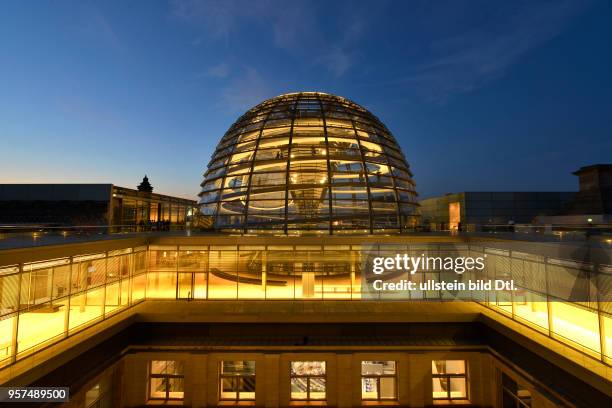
x=137, y=211
x=559, y=298
x=309, y=162
x=43, y=302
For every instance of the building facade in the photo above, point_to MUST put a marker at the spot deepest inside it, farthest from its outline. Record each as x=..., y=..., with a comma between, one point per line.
x=104, y=205
x=591, y=206
x=360, y=377
x=487, y=210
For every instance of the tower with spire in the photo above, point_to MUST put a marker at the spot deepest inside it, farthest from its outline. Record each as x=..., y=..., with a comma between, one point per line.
x=145, y=186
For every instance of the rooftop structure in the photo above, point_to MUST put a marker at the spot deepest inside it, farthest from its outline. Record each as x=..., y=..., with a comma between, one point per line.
x=93, y=205
x=477, y=210
x=169, y=313
x=482, y=210
x=309, y=162
x=595, y=195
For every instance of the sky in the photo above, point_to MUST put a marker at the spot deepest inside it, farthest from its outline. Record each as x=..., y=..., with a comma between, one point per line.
x=481, y=95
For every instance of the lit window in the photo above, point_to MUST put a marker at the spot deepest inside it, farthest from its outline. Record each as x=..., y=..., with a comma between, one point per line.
x=450, y=380
x=166, y=380
x=308, y=380
x=378, y=380
x=237, y=380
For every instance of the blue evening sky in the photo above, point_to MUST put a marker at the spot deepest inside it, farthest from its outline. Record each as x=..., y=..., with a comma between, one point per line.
x=481, y=95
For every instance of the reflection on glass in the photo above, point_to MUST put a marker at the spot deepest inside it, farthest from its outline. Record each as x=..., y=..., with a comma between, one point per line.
x=308, y=380
x=237, y=380
x=378, y=380
x=449, y=379
x=166, y=380
x=576, y=323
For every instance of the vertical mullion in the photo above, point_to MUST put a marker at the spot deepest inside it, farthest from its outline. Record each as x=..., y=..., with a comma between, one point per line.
x=51, y=298
x=366, y=178
x=176, y=274
x=14, y=342
x=167, y=377
x=237, y=385
x=146, y=272
x=131, y=269
x=287, y=178
x=600, y=318
x=236, y=261
x=548, y=305
x=397, y=196
x=206, y=272
x=220, y=197
x=105, y=283
x=67, y=317
x=192, y=286
x=329, y=172
x=512, y=307
x=250, y=182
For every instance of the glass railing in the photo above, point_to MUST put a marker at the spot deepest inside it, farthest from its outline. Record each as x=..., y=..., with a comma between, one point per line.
x=45, y=301
x=35, y=234
x=15, y=236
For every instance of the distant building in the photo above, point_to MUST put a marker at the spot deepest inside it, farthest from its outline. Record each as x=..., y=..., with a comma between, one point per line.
x=145, y=186
x=591, y=205
x=473, y=210
x=88, y=204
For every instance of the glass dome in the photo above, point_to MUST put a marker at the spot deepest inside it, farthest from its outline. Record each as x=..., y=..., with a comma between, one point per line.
x=309, y=162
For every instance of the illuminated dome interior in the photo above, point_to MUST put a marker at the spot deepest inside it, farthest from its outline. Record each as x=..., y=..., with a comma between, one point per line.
x=309, y=162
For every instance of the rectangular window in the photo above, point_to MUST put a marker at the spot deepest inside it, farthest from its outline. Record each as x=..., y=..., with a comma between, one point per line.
x=237, y=381
x=166, y=380
x=378, y=380
x=450, y=381
x=308, y=381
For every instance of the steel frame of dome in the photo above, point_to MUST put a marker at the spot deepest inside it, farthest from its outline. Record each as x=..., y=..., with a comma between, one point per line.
x=276, y=168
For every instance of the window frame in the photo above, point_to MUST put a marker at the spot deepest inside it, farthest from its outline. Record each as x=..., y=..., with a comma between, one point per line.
x=378, y=377
x=308, y=377
x=448, y=381
x=166, y=377
x=236, y=379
